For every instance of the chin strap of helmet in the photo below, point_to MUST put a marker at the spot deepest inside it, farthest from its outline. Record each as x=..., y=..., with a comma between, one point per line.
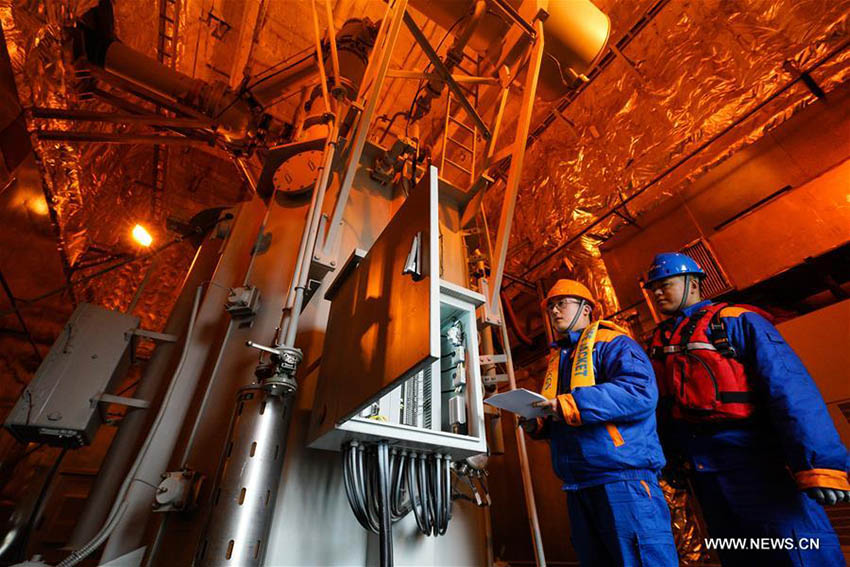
x=572, y=324
x=685, y=293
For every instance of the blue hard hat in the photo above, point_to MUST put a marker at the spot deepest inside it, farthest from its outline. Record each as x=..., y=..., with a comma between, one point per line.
x=673, y=264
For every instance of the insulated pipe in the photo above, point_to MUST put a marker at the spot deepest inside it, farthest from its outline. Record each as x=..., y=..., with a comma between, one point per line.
x=434, y=87
x=233, y=114
x=122, y=501
x=129, y=531
x=125, y=444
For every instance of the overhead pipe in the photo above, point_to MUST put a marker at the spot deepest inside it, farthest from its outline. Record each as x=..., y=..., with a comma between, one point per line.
x=434, y=87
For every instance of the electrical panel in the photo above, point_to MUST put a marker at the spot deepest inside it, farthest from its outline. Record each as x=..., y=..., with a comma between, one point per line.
x=60, y=406
x=401, y=351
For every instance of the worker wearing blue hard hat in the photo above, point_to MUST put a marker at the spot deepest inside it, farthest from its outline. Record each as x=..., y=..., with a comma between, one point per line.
x=601, y=399
x=741, y=414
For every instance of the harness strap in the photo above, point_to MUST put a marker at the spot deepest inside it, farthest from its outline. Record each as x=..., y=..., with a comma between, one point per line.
x=672, y=349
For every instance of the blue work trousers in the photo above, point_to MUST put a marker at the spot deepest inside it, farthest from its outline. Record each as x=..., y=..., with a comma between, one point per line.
x=624, y=523
x=761, y=507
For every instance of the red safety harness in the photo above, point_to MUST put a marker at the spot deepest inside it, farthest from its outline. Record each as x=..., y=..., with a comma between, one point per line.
x=699, y=375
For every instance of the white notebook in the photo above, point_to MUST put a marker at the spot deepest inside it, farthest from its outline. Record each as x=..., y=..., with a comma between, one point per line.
x=518, y=401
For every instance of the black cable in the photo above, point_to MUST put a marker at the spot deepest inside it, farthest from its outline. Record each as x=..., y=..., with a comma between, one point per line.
x=369, y=474
x=30, y=525
x=415, y=495
x=447, y=463
x=386, y=532
x=347, y=454
x=436, y=465
x=427, y=514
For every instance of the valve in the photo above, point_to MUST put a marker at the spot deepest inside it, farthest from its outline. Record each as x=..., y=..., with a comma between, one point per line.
x=278, y=374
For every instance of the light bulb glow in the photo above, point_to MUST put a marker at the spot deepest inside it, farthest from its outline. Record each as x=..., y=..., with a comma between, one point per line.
x=142, y=236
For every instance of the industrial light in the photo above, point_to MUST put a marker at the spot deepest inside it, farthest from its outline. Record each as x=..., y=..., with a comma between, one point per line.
x=142, y=236
x=38, y=206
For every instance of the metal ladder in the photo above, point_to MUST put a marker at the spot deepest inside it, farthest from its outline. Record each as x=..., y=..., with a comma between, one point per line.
x=165, y=45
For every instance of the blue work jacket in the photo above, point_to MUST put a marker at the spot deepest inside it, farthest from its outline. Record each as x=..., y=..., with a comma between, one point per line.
x=791, y=425
x=617, y=437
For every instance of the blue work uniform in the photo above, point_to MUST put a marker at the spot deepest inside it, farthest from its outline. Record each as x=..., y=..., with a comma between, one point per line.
x=748, y=474
x=608, y=455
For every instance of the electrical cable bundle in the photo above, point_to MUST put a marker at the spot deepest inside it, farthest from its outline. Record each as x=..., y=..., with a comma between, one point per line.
x=417, y=481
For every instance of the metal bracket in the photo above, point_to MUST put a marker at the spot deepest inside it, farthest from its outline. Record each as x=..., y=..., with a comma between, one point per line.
x=489, y=315
x=154, y=336
x=413, y=262
x=495, y=379
x=492, y=359
x=242, y=302
x=120, y=400
x=178, y=491
x=278, y=375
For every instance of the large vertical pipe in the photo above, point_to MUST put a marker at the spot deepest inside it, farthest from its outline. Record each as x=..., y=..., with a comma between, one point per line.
x=247, y=480
x=126, y=442
x=129, y=531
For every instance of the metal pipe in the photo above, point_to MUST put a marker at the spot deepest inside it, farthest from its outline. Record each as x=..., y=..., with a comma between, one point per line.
x=339, y=92
x=512, y=186
x=111, y=138
x=397, y=10
x=323, y=78
x=525, y=468
x=289, y=321
x=233, y=113
x=121, y=502
x=125, y=444
x=248, y=480
x=129, y=531
x=386, y=533
x=92, y=116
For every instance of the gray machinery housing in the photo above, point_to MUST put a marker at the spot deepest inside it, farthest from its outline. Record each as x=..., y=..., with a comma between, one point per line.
x=60, y=406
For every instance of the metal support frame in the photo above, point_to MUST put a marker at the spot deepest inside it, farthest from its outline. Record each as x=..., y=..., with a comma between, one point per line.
x=419, y=75
x=121, y=401
x=509, y=203
x=446, y=75
x=94, y=116
x=389, y=29
x=525, y=468
x=112, y=138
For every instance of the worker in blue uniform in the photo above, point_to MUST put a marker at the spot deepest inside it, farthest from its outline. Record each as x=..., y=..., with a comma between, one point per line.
x=600, y=422
x=740, y=412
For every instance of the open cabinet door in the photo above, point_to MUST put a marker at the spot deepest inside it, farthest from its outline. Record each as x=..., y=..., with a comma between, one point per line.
x=384, y=322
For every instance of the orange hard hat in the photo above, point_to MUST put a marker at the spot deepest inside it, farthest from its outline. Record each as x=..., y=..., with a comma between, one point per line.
x=569, y=288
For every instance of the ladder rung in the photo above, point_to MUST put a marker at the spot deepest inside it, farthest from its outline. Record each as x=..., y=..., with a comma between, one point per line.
x=459, y=123
x=457, y=165
x=459, y=143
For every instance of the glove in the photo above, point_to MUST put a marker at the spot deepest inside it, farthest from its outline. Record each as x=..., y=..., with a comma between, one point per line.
x=528, y=425
x=828, y=496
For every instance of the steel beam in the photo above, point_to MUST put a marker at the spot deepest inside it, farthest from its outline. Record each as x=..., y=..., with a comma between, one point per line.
x=446, y=75
x=524, y=121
